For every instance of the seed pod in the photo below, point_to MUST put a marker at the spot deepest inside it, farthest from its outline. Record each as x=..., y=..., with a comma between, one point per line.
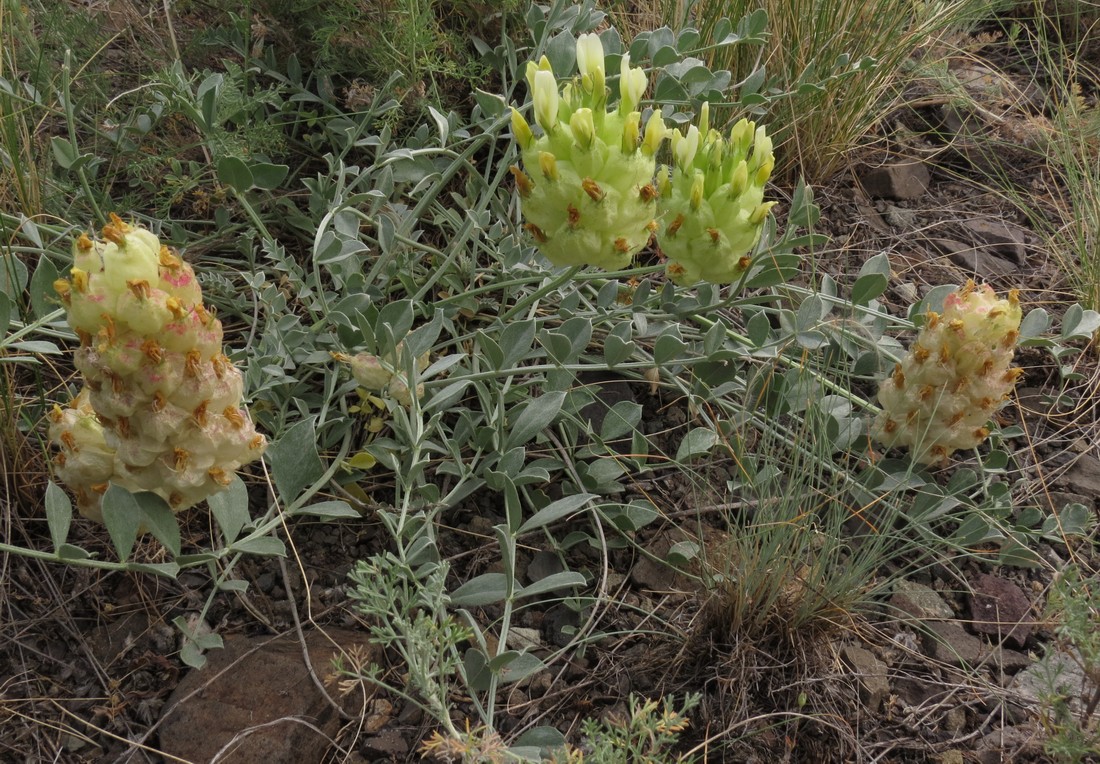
x=385, y=375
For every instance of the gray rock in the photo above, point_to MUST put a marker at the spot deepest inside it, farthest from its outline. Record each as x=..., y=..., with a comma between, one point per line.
x=949, y=643
x=1056, y=673
x=559, y=624
x=953, y=756
x=976, y=261
x=1084, y=476
x=1056, y=501
x=1033, y=400
x=899, y=217
x=905, y=180
x=954, y=721
x=543, y=563
x=907, y=291
x=610, y=389
x=246, y=685
x=520, y=638
x=871, y=674
x=919, y=601
x=1000, y=237
x=1005, y=746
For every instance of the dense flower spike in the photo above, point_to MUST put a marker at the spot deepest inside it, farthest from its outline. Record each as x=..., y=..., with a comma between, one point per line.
x=161, y=408
x=385, y=375
x=587, y=180
x=955, y=376
x=711, y=203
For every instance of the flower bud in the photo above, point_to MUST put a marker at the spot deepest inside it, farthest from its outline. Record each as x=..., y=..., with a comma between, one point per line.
x=632, y=85
x=590, y=62
x=521, y=131
x=684, y=147
x=655, y=132
x=584, y=130
x=761, y=212
x=698, y=186
x=632, y=132
x=533, y=69
x=741, y=137
x=549, y=165
x=545, y=97
x=739, y=180
x=761, y=150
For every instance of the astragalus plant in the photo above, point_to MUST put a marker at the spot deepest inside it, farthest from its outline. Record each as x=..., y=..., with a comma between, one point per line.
x=957, y=373
x=712, y=201
x=160, y=410
x=587, y=180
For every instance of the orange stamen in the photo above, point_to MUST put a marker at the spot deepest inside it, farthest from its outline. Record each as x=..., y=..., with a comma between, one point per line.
x=192, y=365
x=574, y=215
x=152, y=350
x=234, y=416
x=523, y=183
x=537, y=232
x=674, y=226
x=592, y=188
x=140, y=288
x=200, y=414
x=180, y=457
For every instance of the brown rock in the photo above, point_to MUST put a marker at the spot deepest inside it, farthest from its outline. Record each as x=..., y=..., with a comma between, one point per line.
x=1000, y=608
x=871, y=216
x=949, y=643
x=905, y=180
x=389, y=745
x=246, y=685
x=1010, y=661
x=914, y=692
x=112, y=640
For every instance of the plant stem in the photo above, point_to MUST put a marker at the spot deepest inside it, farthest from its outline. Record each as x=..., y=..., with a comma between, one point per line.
x=538, y=294
x=70, y=122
